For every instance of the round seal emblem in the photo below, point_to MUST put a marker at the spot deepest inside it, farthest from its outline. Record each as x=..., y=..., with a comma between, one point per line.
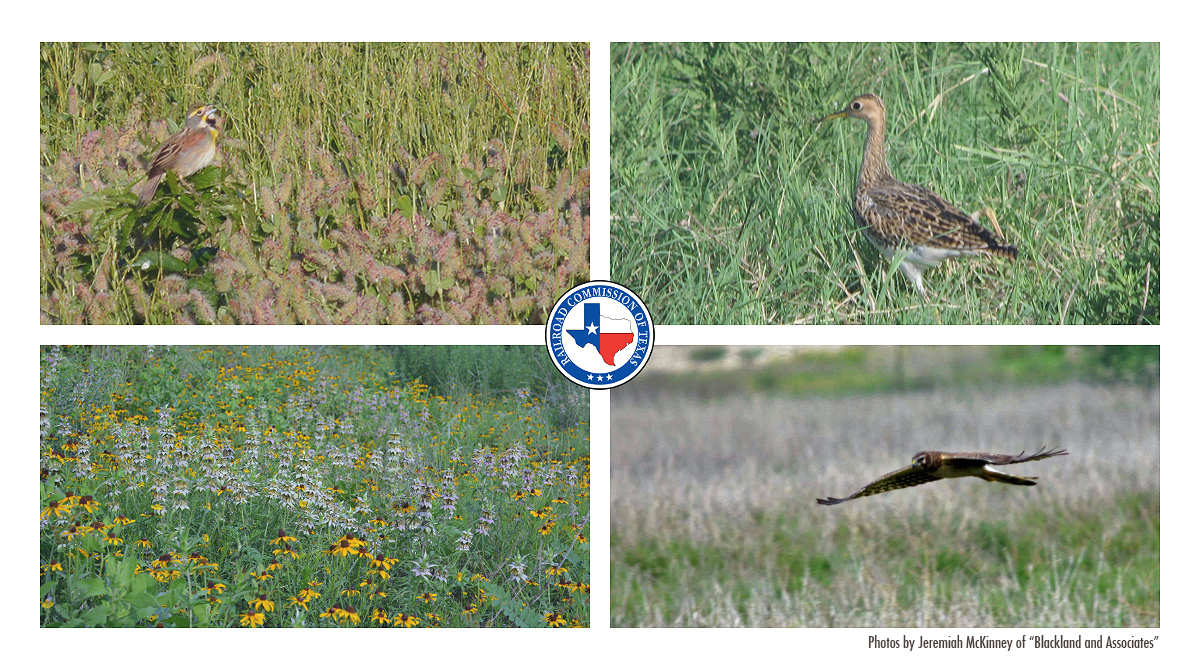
x=600, y=334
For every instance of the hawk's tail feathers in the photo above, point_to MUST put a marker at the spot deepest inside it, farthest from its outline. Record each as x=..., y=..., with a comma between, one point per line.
x=1004, y=477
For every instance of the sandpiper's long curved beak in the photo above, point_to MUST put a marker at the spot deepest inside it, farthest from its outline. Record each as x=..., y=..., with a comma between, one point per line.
x=834, y=116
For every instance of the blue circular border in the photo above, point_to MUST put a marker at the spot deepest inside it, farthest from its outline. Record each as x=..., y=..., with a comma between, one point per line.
x=558, y=317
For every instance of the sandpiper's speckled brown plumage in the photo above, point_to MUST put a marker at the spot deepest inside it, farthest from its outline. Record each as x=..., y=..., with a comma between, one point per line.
x=895, y=215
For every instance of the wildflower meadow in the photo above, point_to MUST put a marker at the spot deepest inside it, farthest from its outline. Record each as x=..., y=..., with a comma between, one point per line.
x=353, y=183
x=318, y=487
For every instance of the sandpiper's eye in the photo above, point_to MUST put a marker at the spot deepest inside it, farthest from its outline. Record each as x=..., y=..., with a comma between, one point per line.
x=856, y=106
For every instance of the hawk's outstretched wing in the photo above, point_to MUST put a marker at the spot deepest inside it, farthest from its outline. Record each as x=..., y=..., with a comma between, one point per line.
x=979, y=459
x=913, y=475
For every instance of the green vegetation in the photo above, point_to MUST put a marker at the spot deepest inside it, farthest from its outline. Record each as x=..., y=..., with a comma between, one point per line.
x=356, y=183
x=184, y=487
x=1080, y=565
x=857, y=370
x=729, y=205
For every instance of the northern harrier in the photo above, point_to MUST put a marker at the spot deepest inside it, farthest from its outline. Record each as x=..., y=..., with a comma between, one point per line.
x=930, y=466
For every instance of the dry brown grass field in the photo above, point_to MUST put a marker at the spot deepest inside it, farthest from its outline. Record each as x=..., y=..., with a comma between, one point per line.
x=715, y=521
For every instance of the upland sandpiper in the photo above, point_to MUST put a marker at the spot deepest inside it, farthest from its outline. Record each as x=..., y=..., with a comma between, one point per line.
x=895, y=215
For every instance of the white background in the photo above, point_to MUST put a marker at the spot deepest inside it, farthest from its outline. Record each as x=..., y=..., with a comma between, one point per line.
x=597, y=22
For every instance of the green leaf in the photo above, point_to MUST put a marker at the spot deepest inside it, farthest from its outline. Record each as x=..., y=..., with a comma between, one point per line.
x=516, y=612
x=432, y=282
x=142, y=600
x=85, y=203
x=405, y=206
x=92, y=588
x=203, y=613
x=98, y=616
x=206, y=178
x=142, y=582
x=178, y=621
x=153, y=261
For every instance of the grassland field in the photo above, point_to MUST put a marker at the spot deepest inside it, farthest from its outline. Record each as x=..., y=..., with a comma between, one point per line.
x=715, y=521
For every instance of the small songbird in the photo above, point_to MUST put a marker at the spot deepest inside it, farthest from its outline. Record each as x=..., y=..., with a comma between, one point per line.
x=906, y=217
x=930, y=466
x=185, y=152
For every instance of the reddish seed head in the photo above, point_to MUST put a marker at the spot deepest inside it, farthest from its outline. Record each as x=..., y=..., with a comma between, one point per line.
x=281, y=533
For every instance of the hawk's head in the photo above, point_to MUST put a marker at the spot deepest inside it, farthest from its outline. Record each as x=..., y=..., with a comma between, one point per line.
x=927, y=459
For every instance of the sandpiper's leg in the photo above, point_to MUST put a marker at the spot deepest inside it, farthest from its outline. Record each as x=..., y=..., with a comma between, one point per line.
x=913, y=272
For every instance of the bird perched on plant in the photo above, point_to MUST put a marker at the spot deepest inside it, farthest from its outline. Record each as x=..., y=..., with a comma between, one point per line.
x=185, y=152
x=905, y=217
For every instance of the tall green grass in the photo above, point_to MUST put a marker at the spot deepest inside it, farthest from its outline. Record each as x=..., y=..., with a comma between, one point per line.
x=730, y=205
x=358, y=183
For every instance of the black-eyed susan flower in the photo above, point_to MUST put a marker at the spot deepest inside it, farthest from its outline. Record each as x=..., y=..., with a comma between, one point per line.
x=56, y=509
x=405, y=620
x=261, y=602
x=554, y=619
x=286, y=551
x=112, y=539
x=342, y=548
x=52, y=566
x=298, y=602
x=253, y=619
x=350, y=614
x=308, y=594
x=428, y=597
x=380, y=617
x=283, y=538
